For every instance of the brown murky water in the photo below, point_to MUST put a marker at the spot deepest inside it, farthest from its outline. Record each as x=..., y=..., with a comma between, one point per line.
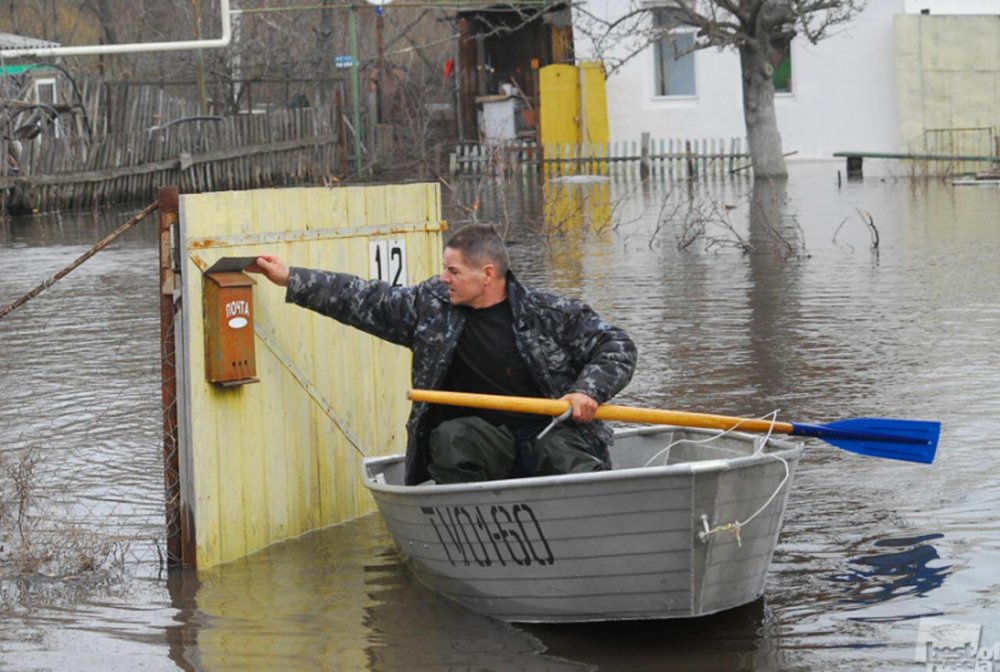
x=809, y=320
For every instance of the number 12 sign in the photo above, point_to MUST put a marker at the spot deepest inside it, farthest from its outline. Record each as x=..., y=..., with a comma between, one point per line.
x=387, y=261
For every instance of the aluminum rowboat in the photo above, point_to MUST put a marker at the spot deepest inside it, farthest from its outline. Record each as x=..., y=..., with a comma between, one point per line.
x=653, y=538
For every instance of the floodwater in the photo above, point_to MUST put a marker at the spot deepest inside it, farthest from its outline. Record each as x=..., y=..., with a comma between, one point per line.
x=741, y=300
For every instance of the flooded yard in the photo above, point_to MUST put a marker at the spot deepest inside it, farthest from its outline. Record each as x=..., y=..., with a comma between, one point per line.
x=742, y=300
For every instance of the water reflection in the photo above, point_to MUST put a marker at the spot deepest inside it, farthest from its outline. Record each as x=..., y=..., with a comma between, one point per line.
x=913, y=571
x=405, y=612
x=772, y=293
x=745, y=638
x=574, y=213
x=334, y=599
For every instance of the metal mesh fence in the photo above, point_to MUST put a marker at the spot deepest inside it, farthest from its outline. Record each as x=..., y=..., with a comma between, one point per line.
x=982, y=141
x=81, y=450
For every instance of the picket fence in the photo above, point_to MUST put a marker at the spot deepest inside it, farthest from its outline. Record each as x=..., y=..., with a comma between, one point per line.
x=667, y=157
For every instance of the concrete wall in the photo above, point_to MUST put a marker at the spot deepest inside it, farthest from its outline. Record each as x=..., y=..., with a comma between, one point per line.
x=843, y=90
x=948, y=74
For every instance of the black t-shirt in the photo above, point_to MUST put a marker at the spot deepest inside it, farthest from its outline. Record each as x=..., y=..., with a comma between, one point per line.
x=486, y=361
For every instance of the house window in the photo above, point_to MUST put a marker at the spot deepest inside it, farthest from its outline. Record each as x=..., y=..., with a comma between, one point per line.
x=46, y=92
x=674, y=68
x=781, y=64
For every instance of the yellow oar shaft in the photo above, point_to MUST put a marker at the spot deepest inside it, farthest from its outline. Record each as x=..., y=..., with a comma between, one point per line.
x=604, y=412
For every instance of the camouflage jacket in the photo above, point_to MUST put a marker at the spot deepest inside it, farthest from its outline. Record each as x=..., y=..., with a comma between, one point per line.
x=564, y=343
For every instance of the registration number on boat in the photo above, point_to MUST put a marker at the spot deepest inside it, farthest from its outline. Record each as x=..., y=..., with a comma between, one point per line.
x=486, y=535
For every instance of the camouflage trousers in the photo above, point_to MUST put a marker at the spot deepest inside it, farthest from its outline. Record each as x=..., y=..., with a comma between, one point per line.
x=470, y=449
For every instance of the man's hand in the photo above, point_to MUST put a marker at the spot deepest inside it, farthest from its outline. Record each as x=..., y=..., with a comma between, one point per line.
x=272, y=268
x=583, y=406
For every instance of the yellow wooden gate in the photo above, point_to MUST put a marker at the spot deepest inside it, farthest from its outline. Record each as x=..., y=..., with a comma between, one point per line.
x=574, y=105
x=267, y=461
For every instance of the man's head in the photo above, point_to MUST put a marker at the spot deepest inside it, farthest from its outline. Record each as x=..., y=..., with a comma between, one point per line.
x=475, y=267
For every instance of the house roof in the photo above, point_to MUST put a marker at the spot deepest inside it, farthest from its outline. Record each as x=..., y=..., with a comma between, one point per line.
x=467, y=6
x=22, y=68
x=12, y=41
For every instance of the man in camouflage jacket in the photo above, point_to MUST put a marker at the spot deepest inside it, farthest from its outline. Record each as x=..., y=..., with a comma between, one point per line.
x=566, y=346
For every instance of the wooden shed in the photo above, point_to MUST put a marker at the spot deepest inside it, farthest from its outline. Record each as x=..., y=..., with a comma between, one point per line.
x=507, y=45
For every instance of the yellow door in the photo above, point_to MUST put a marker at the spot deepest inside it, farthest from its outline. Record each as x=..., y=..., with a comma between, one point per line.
x=560, y=103
x=594, y=104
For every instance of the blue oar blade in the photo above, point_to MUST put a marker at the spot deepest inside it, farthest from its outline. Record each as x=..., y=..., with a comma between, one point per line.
x=906, y=440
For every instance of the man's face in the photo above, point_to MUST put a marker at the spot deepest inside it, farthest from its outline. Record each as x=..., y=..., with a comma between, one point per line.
x=465, y=282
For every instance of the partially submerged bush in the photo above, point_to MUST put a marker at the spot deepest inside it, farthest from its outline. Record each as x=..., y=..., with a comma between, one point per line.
x=33, y=541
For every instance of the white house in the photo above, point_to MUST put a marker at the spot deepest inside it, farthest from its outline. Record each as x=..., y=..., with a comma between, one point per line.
x=900, y=68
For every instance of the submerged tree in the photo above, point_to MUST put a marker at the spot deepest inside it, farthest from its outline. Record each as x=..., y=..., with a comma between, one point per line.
x=759, y=30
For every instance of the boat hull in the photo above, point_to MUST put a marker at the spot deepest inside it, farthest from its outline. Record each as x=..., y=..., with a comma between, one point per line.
x=628, y=543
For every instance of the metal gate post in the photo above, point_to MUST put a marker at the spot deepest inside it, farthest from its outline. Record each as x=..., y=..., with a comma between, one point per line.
x=180, y=535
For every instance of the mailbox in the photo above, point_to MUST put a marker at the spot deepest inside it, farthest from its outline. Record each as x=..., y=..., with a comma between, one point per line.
x=229, y=339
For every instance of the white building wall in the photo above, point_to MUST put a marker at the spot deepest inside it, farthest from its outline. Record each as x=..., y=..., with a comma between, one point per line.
x=953, y=7
x=948, y=81
x=843, y=98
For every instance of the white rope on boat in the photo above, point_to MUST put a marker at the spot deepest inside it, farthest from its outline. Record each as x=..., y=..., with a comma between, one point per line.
x=735, y=526
x=773, y=415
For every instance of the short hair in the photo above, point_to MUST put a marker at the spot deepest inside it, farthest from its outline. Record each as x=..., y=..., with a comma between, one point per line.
x=481, y=244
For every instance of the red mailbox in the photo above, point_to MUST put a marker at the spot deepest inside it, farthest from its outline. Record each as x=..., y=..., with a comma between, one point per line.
x=229, y=339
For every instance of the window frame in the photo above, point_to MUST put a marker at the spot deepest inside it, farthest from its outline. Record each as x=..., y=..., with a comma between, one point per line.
x=46, y=83
x=662, y=20
x=790, y=55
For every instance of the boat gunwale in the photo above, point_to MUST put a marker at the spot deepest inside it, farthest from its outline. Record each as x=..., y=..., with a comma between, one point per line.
x=787, y=450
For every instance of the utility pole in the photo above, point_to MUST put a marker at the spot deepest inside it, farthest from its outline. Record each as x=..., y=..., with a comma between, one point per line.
x=327, y=55
x=355, y=86
x=200, y=60
x=235, y=65
x=380, y=45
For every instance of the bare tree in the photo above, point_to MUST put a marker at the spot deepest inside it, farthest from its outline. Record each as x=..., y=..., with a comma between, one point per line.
x=52, y=20
x=105, y=11
x=755, y=28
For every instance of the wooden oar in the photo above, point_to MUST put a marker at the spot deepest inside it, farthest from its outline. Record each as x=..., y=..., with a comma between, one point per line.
x=907, y=440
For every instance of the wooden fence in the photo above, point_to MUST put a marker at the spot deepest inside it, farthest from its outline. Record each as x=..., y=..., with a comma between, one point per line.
x=674, y=158
x=103, y=144
x=203, y=154
x=128, y=108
